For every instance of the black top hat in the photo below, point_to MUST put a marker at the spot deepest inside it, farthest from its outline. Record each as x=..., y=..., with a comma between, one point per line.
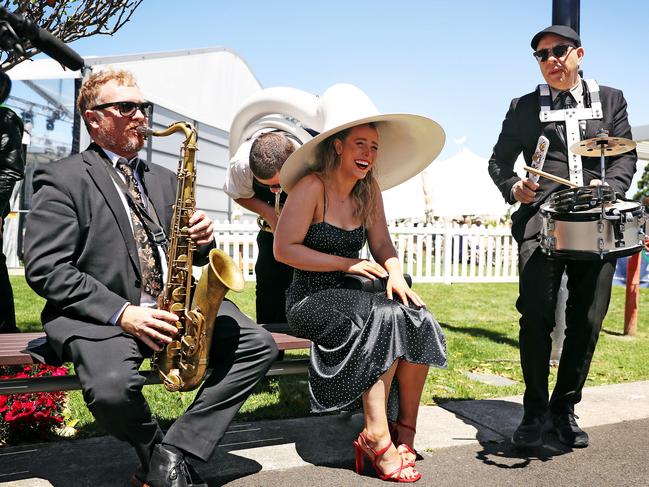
x=560, y=30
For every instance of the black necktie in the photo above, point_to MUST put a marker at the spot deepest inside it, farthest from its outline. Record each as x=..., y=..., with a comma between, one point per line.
x=147, y=253
x=565, y=100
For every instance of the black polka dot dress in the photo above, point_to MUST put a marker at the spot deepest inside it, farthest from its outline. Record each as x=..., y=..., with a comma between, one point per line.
x=356, y=335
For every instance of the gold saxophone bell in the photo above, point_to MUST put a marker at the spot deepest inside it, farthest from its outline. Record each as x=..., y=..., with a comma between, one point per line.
x=182, y=364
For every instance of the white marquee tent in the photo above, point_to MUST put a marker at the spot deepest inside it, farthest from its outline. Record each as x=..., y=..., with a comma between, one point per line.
x=457, y=186
x=207, y=85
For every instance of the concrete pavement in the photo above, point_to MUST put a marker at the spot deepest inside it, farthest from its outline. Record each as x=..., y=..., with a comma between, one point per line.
x=470, y=436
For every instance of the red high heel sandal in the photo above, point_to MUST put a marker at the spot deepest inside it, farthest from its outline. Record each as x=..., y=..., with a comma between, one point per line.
x=394, y=434
x=362, y=448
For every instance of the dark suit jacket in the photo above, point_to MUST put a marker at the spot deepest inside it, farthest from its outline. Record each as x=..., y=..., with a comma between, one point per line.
x=12, y=162
x=520, y=132
x=80, y=254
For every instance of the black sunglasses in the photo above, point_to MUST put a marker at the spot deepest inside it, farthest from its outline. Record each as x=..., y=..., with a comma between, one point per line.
x=542, y=55
x=127, y=108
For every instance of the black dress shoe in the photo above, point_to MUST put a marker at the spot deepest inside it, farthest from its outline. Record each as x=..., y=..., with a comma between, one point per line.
x=568, y=431
x=529, y=433
x=168, y=468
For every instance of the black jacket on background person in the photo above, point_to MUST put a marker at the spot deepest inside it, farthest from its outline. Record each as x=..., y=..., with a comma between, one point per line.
x=12, y=169
x=12, y=162
x=520, y=133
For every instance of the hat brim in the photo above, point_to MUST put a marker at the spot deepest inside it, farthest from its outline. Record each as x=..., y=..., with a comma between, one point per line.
x=407, y=145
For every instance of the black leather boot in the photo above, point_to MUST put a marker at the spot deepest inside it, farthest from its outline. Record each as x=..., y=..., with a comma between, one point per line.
x=168, y=468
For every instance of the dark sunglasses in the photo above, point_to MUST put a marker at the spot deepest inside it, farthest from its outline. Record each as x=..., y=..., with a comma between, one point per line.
x=559, y=51
x=127, y=108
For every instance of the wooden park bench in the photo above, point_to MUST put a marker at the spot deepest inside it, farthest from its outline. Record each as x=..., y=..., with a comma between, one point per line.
x=13, y=351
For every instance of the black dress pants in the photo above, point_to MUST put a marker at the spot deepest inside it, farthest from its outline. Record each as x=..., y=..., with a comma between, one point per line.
x=241, y=354
x=273, y=279
x=7, y=311
x=589, y=293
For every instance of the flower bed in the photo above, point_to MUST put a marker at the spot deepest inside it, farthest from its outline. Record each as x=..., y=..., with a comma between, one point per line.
x=32, y=416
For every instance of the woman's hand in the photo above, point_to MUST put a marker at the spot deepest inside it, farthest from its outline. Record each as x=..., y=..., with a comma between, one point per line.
x=398, y=285
x=366, y=268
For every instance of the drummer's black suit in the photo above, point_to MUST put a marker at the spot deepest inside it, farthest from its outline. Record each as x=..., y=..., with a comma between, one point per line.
x=589, y=282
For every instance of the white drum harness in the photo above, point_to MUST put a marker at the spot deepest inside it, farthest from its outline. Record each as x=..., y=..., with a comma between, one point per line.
x=574, y=119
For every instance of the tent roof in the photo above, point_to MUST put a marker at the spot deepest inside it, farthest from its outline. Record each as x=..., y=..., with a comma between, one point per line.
x=459, y=185
x=208, y=85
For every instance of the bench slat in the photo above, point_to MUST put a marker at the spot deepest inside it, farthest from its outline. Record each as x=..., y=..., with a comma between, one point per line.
x=13, y=352
x=13, y=346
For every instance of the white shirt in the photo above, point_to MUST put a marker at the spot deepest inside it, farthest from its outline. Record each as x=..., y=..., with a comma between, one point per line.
x=576, y=91
x=238, y=177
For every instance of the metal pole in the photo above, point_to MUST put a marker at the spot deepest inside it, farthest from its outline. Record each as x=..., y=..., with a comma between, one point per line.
x=564, y=12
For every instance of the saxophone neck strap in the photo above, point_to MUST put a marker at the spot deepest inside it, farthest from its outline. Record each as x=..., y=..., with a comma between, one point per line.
x=149, y=218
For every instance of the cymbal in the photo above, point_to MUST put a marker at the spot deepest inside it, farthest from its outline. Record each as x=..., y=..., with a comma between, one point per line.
x=612, y=146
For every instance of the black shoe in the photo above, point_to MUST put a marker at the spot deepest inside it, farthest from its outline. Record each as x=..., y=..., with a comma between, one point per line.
x=529, y=433
x=568, y=431
x=168, y=468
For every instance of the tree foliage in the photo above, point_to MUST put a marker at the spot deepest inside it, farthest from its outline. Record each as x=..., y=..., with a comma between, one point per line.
x=642, y=194
x=68, y=20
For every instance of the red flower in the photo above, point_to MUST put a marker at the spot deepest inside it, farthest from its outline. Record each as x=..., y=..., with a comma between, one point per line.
x=30, y=416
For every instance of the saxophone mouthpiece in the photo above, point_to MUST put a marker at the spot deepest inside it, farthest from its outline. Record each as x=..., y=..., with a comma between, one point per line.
x=144, y=130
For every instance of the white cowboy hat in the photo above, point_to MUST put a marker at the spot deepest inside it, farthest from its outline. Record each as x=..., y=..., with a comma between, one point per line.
x=407, y=143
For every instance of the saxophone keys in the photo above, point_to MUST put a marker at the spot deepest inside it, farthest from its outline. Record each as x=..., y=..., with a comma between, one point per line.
x=179, y=293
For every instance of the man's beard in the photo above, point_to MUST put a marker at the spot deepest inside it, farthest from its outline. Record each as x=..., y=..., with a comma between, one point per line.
x=129, y=144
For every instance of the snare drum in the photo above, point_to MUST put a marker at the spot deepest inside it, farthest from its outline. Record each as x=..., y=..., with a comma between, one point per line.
x=617, y=231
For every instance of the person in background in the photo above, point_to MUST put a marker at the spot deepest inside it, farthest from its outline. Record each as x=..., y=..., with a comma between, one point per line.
x=12, y=170
x=252, y=181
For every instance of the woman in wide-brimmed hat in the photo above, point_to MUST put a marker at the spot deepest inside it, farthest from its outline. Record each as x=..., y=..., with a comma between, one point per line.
x=369, y=347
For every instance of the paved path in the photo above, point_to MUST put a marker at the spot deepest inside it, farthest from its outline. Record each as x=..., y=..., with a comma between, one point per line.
x=463, y=443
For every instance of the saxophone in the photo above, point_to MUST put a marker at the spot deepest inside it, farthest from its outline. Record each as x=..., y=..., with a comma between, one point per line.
x=183, y=362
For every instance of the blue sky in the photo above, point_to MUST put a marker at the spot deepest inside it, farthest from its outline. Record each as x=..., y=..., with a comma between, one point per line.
x=459, y=63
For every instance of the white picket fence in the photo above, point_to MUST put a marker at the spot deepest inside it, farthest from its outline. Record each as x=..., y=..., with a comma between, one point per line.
x=445, y=253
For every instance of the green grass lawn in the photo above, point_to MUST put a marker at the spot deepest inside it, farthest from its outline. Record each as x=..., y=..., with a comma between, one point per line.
x=481, y=326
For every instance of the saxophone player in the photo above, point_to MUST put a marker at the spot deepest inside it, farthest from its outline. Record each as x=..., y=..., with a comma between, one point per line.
x=92, y=251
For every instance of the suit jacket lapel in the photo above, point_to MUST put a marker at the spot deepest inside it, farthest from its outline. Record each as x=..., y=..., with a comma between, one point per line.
x=152, y=184
x=97, y=167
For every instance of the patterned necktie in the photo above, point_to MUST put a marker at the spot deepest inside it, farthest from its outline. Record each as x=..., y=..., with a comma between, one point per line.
x=147, y=253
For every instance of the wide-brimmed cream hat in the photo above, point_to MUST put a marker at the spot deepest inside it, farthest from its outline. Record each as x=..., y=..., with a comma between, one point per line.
x=407, y=143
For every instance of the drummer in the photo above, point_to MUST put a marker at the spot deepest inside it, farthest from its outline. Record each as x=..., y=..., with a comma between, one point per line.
x=565, y=110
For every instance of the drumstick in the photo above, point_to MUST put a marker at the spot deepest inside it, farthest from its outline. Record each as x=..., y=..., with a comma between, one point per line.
x=554, y=178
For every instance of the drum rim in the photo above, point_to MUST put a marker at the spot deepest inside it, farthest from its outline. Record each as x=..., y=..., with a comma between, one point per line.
x=595, y=255
x=592, y=214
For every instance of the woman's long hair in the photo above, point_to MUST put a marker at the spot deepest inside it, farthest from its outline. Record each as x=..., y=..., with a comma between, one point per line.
x=364, y=191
